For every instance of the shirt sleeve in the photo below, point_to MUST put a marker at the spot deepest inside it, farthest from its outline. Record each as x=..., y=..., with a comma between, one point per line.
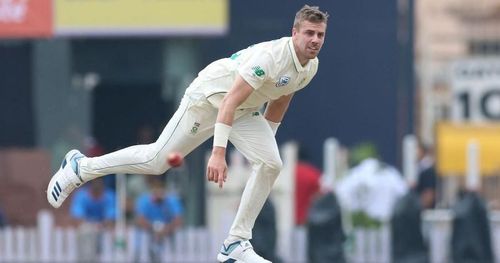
x=257, y=69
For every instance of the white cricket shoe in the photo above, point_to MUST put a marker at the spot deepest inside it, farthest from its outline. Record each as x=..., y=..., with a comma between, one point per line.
x=239, y=252
x=65, y=180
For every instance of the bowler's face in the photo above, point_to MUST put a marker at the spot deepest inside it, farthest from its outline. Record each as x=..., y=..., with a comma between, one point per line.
x=308, y=39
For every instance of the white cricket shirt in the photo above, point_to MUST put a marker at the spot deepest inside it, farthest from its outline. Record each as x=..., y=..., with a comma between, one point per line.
x=271, y=68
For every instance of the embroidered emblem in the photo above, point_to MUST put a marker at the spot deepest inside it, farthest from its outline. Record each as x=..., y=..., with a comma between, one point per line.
x=258, y=71
x=282, y=81
x=195, y=127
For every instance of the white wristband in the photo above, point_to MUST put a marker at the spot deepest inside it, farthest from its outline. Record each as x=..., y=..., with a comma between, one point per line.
x=221, y=134
x=274, y=125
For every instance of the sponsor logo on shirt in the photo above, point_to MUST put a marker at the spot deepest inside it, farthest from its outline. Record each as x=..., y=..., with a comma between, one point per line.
x=283, y=81
x=195, y=128
x=258, y=71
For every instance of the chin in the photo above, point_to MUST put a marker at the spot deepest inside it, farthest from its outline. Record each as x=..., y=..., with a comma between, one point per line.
x=312, y=56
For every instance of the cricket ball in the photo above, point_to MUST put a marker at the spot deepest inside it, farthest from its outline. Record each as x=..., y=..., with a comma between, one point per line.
x=175, y=159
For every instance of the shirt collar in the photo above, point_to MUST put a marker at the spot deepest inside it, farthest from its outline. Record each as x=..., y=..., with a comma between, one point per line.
x=296, y=61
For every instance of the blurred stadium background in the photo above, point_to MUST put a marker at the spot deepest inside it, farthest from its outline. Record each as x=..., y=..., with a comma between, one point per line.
x=395, y=77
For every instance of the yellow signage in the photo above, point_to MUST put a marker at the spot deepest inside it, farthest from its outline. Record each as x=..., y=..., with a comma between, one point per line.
x=451, y=147
x=141, y=17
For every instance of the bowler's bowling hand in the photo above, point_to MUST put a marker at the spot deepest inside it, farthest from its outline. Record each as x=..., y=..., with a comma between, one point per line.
x=217, y=166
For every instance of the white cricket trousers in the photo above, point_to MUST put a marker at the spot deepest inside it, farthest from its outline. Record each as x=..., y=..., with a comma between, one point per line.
x=191, y=125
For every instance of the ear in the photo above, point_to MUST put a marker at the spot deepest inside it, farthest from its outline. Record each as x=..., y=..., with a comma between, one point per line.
x=294, y=31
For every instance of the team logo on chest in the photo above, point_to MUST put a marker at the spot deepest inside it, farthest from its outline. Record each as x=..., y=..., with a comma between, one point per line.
x=282, y=81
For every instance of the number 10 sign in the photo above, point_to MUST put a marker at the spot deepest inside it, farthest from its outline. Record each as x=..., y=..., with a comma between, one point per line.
x=476, y=90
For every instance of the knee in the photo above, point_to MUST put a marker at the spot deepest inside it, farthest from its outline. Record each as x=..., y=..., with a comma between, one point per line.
x=158, y=165
x=154, y=159
x=159, y=168
x=274, y=166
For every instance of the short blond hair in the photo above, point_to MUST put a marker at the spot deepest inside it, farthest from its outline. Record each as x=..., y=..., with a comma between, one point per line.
x=311, y=14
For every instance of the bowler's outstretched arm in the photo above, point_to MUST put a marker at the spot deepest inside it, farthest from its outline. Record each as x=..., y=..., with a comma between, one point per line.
x=217, y=166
